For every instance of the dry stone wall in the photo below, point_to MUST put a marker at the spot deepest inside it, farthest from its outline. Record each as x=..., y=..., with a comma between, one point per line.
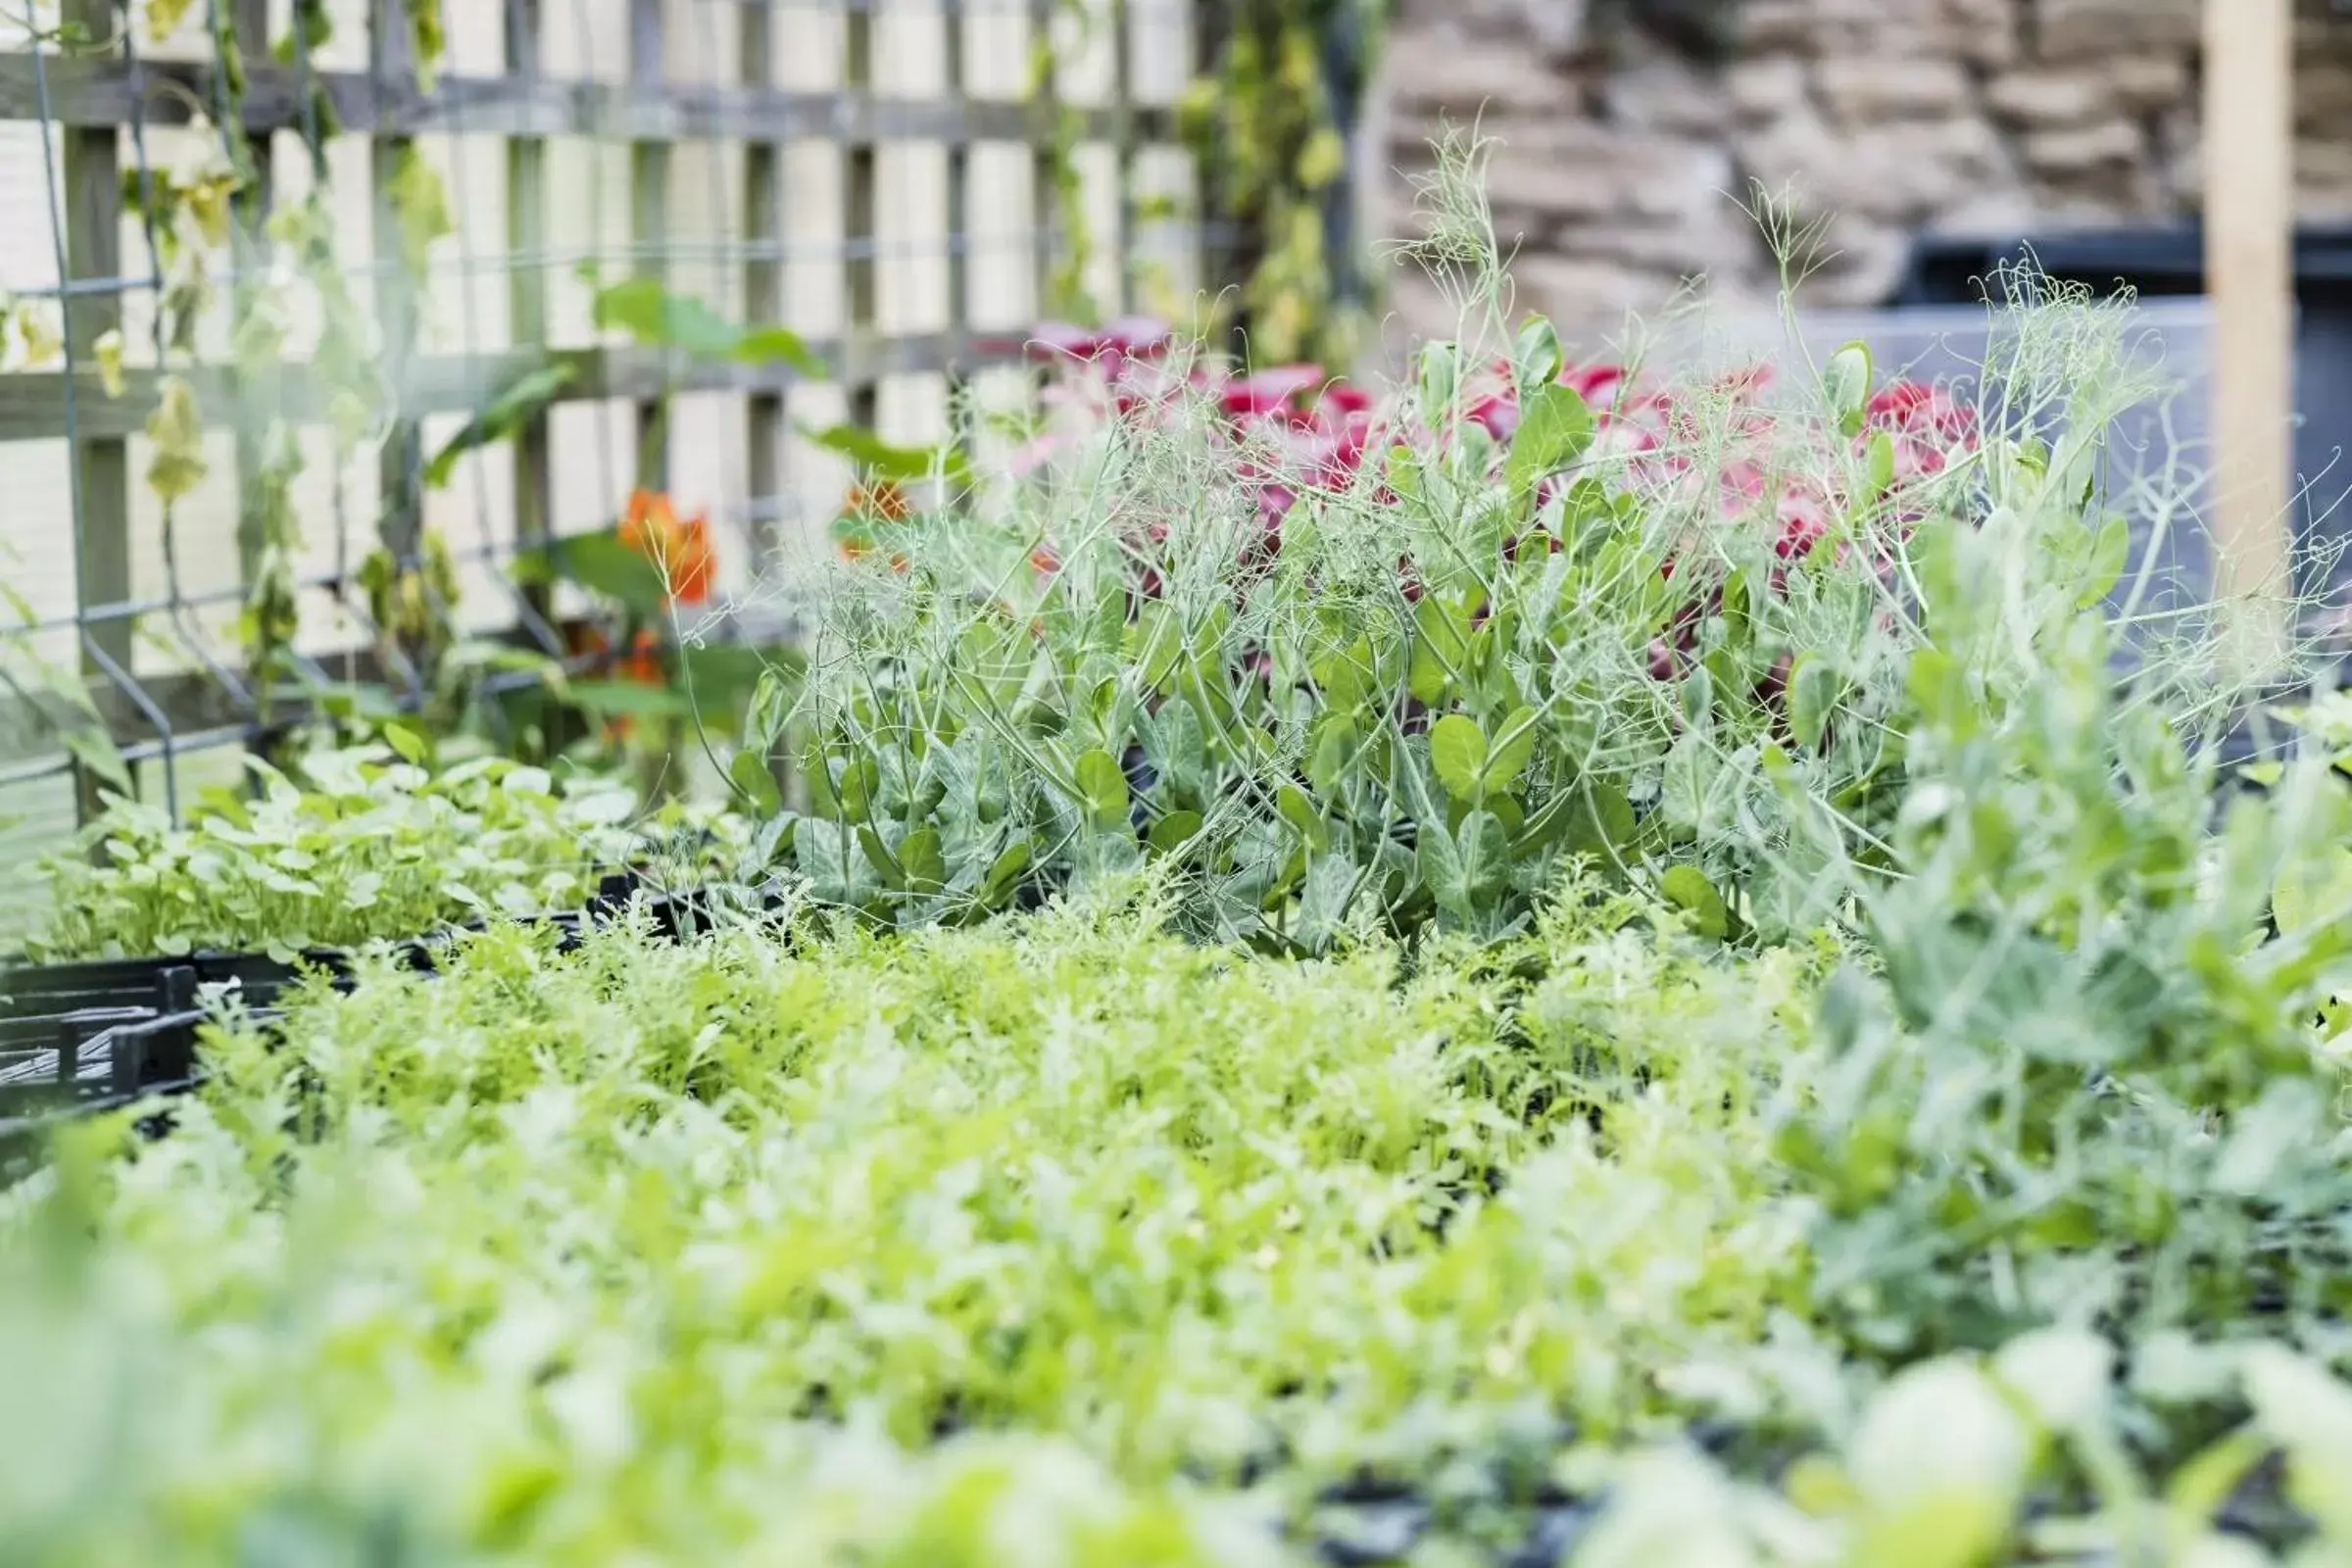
x=1625, y=166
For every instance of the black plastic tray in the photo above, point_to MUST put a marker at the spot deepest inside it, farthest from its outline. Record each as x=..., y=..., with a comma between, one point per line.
x=79, y=1037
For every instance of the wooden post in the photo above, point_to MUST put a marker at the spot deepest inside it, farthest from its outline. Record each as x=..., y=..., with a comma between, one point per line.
x=92, y=192
x=2249, y=263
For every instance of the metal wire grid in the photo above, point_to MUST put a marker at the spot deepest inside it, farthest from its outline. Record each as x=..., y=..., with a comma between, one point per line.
x=751, y=82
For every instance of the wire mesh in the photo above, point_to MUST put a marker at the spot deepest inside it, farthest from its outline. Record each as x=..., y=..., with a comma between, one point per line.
x=867, y=173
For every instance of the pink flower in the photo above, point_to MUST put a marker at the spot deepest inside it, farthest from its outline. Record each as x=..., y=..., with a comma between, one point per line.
x=1270, y=392
x=1138, y=336
x=1499, y=412
x=1595, y=383
x=1061, y=340
x=1801, y=526
x=1343, y=401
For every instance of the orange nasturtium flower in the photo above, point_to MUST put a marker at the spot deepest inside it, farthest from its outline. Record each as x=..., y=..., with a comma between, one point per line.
x=866, y=508
x=679, y=547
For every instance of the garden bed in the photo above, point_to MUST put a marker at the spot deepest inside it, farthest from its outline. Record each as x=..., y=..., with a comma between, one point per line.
x=1545, y=969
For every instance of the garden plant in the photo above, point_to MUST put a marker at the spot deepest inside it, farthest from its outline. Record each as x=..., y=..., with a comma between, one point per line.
x=1616, y=963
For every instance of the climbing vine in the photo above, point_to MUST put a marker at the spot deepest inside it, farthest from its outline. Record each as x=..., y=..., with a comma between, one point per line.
x=1269, y=127
x=1062, y=291
x=210, y=202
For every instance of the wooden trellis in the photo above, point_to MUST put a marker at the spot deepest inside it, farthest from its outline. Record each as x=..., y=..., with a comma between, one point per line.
x=804, y=133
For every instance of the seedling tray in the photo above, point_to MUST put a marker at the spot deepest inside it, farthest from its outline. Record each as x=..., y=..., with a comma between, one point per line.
x=79, y=1038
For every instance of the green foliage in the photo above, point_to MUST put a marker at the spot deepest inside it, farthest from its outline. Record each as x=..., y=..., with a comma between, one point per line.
x=1265, y=122
x=1416, y=708
x=365, y=848
x=650, y=312
x=561, y=1254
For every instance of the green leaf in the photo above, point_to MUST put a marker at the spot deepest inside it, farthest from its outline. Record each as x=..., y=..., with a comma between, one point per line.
x=1335, y=748
x=1879, y=464
x=1486, y=851
x=1174, y=831
x=1440, y=865
x=2110, y=552
x=1458, y=750
x=1813, y=692
x=878, y=855
x=749, y=772
x=1003, y=874
x=1441, y=647
x=628, y=699
x=1102, y=784
x=861, y=781
x=650, y=312
x=406, y=743
x=817, y=769
x=1603, y=824
x=1345, y=675
x=1536, y=359
x=1554, y=429
x=1439, y=376
x=731, y=681
x=921, y=859
x=1462, y=868
x=601, y=564
x=1296, y=810
x=96, y=752
x=505, y=414
x=777, y=345
x=883, y=461
x=1846, y=382
x=1514, y=747
x=1687, y=888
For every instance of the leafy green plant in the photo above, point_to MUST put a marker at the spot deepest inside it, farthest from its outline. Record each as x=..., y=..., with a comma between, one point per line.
x=667, y=1222
x=1344, y=662
x=368, y=846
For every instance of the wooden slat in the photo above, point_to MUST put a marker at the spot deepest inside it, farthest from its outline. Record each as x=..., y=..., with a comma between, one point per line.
x=93, y=201
x=2249, y=239
x=254, y=396
x=393, y=61
x=649, y=225
x=1045, y=107
x=32, y=405
x=858, y=228
x=99, y=92
x=764, y=274
x=1211, y=24
x=953, y=41
x=535, y=474
x=1124, y=143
